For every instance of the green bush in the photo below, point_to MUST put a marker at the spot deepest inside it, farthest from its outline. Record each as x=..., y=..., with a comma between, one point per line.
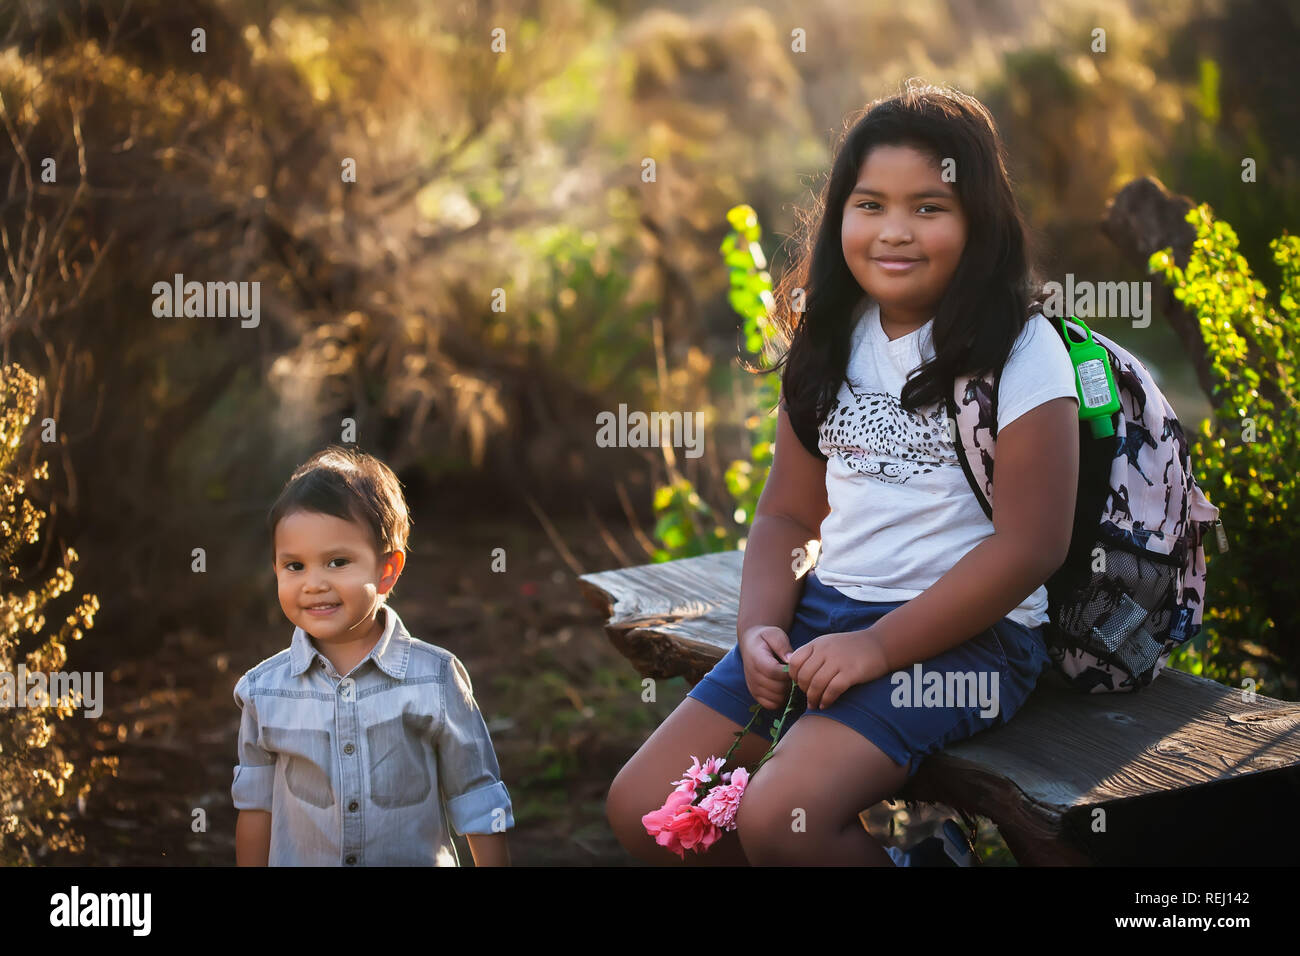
x=686, y=525
x=1246, y=460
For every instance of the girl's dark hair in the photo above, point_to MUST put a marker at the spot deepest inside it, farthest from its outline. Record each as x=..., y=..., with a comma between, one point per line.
x=351, y=485
x=993, y=291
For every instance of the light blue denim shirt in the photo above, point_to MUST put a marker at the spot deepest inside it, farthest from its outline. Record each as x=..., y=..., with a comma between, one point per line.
x=363, y=770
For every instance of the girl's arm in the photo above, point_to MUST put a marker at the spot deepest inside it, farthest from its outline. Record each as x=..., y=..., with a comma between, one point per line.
x=787, y=518
x=1036, y=480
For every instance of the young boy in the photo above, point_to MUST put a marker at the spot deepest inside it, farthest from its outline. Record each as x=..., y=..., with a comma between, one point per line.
x=355, y=738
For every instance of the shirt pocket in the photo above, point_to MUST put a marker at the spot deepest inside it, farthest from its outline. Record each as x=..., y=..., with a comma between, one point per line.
x=399, y=774
x=308, y=757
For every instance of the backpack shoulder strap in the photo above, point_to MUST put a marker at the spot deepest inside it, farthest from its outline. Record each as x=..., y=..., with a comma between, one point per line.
x=973, y=408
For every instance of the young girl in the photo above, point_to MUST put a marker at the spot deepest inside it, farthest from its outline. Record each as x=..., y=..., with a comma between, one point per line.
x=914, y=273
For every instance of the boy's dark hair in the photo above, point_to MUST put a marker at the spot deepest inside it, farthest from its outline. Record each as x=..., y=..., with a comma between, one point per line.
x=351, y=485
x=993, y=292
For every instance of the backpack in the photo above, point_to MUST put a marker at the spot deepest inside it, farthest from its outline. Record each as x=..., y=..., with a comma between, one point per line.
x=1139, y=515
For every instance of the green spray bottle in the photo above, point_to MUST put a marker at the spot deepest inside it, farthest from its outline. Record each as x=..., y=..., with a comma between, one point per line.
x=1094, y=381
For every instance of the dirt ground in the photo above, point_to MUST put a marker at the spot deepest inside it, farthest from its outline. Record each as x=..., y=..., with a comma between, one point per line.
x=563, y=706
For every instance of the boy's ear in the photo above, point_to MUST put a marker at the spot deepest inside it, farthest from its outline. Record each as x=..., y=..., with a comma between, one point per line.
x=393, y=566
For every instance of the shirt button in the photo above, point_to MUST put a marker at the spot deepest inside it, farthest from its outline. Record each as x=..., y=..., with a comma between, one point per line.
x=353, y=806
x=348, y=748
x=350, y=860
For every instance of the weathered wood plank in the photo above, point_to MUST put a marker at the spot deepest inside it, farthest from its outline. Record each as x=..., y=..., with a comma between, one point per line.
x=1061, y=755
x=672, y=619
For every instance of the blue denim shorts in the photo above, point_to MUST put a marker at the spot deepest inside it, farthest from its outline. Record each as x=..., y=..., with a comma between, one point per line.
x=956, y=695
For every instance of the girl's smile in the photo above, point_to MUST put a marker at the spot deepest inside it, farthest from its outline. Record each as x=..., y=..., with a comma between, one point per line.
x=892, y=266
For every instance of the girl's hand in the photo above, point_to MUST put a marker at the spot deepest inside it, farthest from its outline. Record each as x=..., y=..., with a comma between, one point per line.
x=763, y=650
x=829, y=665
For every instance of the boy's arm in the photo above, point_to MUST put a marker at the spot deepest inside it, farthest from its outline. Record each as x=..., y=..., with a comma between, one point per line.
x=477, y=801
x=254, y=782
x=253, y=838
x=489, y=849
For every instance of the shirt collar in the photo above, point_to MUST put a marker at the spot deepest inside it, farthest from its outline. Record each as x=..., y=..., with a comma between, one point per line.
x=911, y=340
x=391, y=652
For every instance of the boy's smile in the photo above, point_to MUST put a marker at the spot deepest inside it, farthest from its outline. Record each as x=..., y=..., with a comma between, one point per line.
x=330, y=579
x=903, y=232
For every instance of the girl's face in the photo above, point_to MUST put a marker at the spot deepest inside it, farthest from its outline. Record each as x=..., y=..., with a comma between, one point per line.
x=902, y=209
x=324, y=560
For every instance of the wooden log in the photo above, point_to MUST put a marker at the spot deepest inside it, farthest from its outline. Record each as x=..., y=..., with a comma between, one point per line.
x=675, y=619
x=1143, y=218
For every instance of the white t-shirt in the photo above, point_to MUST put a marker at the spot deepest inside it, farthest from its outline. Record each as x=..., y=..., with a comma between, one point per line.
x=902, y=512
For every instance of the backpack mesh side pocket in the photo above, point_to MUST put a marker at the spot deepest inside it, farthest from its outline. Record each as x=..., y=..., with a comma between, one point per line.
x=1117, y=622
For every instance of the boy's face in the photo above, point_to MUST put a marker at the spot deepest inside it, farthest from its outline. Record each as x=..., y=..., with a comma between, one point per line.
x=324, y=560
x=895, y=219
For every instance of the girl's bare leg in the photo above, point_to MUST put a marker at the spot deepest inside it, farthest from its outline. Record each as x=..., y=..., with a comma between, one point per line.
x=693, y=729
x=802, y=809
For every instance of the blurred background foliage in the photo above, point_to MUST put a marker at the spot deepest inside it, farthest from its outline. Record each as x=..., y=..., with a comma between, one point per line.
x=522, y=171
x=502, y=269
x=37, y=781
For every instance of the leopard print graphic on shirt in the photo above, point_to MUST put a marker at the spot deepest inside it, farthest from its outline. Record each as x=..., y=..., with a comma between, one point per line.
x=876, y=436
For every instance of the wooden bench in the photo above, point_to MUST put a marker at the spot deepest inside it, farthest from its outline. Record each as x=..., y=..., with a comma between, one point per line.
x=1185, y=771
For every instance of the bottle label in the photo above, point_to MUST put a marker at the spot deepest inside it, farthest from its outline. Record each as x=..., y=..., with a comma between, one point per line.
x=1092, y=380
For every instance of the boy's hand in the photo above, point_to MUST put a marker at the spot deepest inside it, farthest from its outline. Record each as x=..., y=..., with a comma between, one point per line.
x=829, y=665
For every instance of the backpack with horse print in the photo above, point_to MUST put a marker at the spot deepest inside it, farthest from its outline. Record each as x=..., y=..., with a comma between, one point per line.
x=1133, y=584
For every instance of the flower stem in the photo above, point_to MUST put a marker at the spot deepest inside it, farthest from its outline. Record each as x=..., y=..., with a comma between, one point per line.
x=740, y=735
x=776, y=727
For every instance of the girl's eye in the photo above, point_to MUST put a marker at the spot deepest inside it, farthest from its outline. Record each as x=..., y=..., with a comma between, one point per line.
x=929, y=205
x=344, y=560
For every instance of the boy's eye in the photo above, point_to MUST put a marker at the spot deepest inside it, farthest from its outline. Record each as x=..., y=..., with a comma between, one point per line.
x=294, y=565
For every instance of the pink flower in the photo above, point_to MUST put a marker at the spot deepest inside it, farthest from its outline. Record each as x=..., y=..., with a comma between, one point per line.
x=695, y=774
x=678, y=826
x=693, y=830
x=658, y=823
x=722, y=803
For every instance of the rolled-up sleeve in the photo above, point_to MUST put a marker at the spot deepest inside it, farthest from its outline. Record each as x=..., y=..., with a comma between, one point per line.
x=255, y=774
x=477, y=801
